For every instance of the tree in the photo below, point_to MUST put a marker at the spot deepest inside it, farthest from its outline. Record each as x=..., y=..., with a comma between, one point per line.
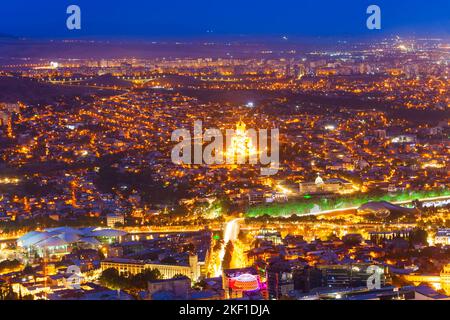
x=118, y=225
x=140, y=280
x=200, y=285
x=418, y=236
x=10, y=265
x=111, y=278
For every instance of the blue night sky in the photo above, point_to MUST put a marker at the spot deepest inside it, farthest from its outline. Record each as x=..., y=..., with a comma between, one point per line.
x=166, y=18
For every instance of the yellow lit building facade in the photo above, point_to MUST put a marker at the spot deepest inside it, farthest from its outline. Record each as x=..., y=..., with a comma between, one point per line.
x=133, y=267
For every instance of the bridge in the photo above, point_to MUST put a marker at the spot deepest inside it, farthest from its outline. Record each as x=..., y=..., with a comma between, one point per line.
x=75, y=80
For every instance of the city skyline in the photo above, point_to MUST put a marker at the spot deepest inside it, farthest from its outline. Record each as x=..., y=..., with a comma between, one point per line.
x=245, y=152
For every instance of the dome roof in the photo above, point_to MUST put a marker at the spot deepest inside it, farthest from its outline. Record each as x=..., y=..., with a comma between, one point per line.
x=246, y=282
x=319, y=179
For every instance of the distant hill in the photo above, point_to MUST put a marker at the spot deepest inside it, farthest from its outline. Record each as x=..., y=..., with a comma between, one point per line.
x=29, y=91
x=107, y=80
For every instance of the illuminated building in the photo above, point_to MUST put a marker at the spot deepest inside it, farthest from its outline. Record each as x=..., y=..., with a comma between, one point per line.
x=445, y=279
x=442, y=237
x=60, y=241
x=112, y=219
x=238, y=283
x=129, y=266
x=404, y=139
x=441, y=281
x=380, y=236
x=6, y=180
x=319, y=186
x=270, y=235
x=241, y=145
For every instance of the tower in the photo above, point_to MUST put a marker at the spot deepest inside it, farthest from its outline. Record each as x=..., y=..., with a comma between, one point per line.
x=195, y=268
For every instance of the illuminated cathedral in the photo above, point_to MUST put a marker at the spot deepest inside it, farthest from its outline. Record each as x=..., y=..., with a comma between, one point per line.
x=241, y=145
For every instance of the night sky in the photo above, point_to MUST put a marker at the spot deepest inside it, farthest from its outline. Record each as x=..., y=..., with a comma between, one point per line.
x=182, y=18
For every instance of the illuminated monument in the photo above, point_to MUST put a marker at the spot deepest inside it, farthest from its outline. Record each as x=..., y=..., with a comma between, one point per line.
x=241, y=144
x=330, y=186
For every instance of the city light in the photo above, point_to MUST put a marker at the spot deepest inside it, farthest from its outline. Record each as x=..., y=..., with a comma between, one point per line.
x=224, y=160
